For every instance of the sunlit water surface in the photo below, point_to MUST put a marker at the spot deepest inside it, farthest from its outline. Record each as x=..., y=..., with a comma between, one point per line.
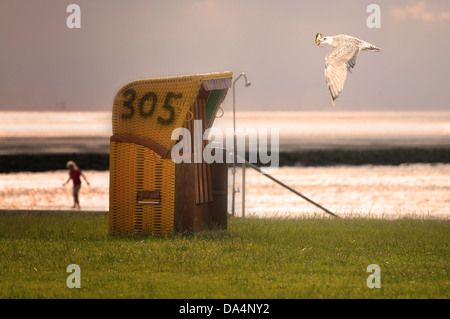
x=376, y=191
x=419, y=190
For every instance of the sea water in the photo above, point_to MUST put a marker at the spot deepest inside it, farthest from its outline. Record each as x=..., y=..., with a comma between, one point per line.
x=47, y=132
x=376, y=191
x=417, y=190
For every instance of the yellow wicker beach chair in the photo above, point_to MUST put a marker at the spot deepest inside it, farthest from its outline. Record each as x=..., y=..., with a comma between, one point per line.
x=143, y=177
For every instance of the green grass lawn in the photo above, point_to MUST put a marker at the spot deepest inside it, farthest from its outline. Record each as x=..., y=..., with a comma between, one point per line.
x=255, y=258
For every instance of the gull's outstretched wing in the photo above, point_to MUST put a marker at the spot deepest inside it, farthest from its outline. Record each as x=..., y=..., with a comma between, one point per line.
x=351, y=63
x=337, y=62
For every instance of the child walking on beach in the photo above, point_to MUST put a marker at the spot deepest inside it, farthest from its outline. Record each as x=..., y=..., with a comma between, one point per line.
x=74, y=175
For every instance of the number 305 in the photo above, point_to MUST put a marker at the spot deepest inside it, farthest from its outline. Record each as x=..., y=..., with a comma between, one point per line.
x=147, y=104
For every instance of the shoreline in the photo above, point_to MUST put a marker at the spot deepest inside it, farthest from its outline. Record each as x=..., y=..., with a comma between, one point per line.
x=306, y=216
x=42, y=162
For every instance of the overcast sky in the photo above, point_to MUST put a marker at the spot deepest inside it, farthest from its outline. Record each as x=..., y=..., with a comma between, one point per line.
x=44, y=64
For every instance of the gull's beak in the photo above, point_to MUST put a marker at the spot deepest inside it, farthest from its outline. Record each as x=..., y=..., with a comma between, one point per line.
x=318, y=39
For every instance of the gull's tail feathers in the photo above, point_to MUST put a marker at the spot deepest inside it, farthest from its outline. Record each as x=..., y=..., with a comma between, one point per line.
x=370, y=47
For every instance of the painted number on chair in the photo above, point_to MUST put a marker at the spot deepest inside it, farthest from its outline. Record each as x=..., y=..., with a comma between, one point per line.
x=146, y=106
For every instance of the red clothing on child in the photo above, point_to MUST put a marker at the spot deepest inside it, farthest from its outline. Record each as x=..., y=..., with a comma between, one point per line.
x=75, y=176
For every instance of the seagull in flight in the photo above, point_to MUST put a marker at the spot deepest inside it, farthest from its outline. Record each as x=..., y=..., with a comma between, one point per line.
x=341, y=59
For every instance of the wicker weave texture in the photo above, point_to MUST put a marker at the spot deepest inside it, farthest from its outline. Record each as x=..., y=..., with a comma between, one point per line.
x=136, y=168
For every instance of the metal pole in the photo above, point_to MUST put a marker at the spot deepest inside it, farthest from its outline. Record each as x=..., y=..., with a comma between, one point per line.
x=233, y=170
x=292, y=190
x=247, y=83
x=243, y=189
